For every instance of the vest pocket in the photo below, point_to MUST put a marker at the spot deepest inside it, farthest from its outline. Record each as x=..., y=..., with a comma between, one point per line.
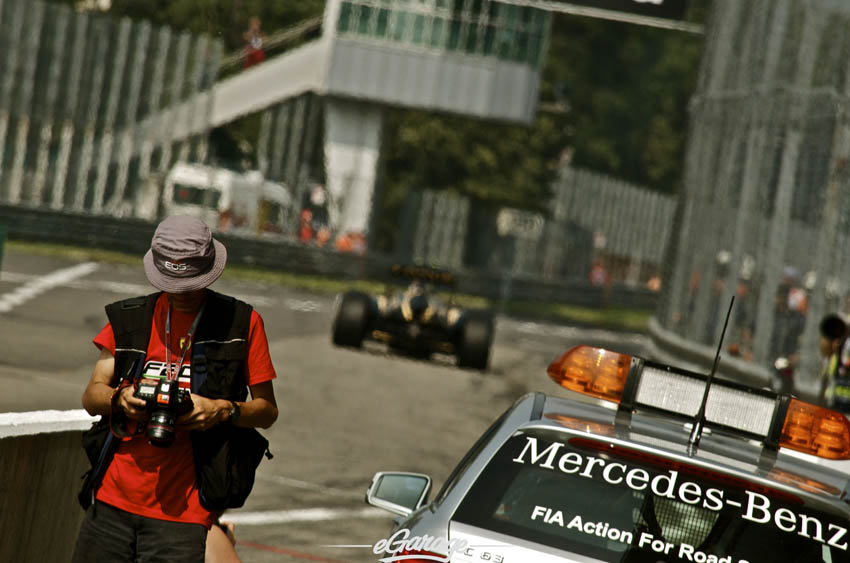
x=224, y=367
x=226, y=459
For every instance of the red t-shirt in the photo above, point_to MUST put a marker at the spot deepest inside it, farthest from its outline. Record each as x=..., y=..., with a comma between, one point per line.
x=160, y=482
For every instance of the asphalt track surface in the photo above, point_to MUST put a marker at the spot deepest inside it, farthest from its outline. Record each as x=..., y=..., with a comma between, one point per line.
x=344, y=414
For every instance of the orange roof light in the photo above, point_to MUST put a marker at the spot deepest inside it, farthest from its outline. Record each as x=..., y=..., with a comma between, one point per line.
x=592, y=371
x=816, y=430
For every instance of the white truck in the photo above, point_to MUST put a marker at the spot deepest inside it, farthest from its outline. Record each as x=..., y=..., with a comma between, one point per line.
x=228, y=201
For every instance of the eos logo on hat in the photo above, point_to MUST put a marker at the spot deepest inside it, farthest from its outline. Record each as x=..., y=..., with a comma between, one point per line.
x=176, y=266
x=183, y=255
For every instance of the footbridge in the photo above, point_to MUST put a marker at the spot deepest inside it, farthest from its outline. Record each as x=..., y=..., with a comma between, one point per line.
x=92, y=107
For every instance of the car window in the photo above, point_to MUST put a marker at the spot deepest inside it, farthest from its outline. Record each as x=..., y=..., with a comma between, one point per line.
x=192, y=195
x=617, y=504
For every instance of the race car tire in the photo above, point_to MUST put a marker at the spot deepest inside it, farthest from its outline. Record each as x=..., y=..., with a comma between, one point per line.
x=352, y=319
x=476, y=335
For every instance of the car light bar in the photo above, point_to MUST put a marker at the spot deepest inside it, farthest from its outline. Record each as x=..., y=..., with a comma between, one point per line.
x=816, y=430
x=592, y=371
x=726, y=406
x=777, y=420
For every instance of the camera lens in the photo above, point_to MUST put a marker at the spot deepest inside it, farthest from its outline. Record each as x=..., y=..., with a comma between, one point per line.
x=161, y=428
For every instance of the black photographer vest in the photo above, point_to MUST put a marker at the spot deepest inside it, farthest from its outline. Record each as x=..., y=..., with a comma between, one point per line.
x=219, y=349
x=226, y=456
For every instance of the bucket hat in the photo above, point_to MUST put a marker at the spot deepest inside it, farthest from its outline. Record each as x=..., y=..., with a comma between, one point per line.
x=183, y=255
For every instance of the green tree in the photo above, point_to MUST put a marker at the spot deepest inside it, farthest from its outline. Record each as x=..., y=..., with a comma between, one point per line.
x=506, y=164
x=627, y=87
x=510, y=165
x=226, y=19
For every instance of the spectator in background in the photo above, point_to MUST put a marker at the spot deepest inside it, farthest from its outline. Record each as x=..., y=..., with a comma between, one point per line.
x=225, y=221
x=746, y=324
x=835, y=375
x=718, y=295
x=254, y=53
x=654, y=283
x=323, y=235
x=680, y=318
x=318, y=206
x=790, y=314
x=353, y=242
x=305, y=232
x=315, y=220
x=599, y=275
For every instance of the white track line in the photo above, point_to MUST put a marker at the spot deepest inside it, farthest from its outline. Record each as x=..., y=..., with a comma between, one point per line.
x=40, y=284
x=140, y=289
x=301, y=515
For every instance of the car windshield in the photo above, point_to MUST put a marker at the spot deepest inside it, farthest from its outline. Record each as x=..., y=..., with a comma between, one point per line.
x=619, y=505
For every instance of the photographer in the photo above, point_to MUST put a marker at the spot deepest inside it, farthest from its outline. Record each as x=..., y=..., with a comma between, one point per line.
x=165, y=481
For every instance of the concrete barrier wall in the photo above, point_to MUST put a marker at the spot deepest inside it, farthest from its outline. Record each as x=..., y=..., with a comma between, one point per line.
x=41, y=461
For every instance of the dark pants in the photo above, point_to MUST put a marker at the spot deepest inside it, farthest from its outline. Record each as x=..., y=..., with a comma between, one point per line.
x=112, y=535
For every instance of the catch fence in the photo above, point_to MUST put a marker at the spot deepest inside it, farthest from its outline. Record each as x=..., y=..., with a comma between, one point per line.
x=596, y=229
x=765, y=214
x=75, y=90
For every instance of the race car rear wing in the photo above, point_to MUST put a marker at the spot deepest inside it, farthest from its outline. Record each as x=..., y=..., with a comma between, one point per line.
x=424, y=273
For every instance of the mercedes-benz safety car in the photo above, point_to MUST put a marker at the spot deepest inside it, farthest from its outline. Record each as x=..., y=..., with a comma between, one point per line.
x=662, y=465
x=415, y=320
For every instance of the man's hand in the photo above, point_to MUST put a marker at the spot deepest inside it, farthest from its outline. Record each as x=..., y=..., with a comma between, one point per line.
x=134, y=407
x=205, y=414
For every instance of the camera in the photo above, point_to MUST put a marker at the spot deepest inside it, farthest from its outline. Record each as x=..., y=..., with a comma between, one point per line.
x=166, y=400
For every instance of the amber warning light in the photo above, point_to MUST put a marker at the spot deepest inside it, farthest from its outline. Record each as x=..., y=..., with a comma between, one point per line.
x=807, y=428
x=592, y=371
x=816, y=430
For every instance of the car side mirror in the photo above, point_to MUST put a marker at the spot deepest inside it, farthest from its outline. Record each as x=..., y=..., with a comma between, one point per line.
x=398, y=492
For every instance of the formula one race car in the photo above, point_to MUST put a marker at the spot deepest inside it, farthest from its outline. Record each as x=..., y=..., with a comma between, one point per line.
x=415, y=320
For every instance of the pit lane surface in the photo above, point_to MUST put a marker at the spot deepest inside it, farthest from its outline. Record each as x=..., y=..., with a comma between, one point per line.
x=344, y=414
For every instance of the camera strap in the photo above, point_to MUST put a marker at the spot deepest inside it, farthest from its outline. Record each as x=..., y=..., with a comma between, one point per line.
x=185, y=349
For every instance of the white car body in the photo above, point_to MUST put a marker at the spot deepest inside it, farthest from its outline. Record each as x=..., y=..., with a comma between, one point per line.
x=561, y=480
x=228, y=201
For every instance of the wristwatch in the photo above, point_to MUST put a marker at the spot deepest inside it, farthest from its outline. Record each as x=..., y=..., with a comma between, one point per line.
x=235, y=413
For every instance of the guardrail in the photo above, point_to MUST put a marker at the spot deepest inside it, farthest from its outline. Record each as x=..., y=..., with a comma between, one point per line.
x=669, y=347
x=41, y=461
